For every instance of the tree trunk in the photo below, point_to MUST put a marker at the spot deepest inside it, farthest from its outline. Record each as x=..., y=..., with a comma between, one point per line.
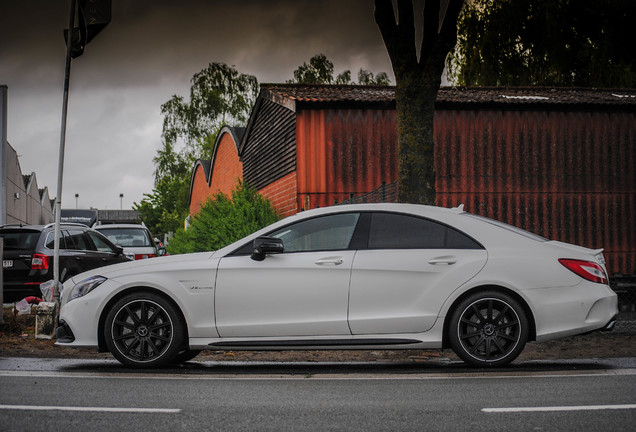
x=417, y=82
x=415, y=104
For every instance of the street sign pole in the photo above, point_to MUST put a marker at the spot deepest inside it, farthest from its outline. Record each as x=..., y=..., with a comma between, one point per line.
x=60, y=168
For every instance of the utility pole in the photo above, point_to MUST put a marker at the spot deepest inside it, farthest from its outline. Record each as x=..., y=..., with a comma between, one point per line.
x=60, y=167
x=3, y=183
x=3, y=154
x=93, y=18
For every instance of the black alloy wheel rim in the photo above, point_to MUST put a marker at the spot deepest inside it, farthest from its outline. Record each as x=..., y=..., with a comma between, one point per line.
x=142, y=330
x=489, y=330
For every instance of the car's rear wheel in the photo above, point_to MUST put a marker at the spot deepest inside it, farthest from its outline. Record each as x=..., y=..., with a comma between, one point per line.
x=144, y=330
x=488, y=329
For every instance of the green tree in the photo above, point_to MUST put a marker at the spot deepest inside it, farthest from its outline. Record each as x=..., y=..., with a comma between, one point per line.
x=223, y=220
x=166, y=207
x=418, y=78
x=320, y=70
x=546, y=43
x=219, y=95
x=367, y=78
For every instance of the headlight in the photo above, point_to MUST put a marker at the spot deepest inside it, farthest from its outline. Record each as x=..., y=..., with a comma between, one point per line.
x=86, y=286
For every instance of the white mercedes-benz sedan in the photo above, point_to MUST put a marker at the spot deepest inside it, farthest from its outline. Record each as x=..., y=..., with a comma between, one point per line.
x=368, y=276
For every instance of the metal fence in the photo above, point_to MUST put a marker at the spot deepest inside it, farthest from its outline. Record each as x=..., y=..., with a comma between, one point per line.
x=385, y=193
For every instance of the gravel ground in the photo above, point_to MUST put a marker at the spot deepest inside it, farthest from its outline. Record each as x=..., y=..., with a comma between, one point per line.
x=17, y=340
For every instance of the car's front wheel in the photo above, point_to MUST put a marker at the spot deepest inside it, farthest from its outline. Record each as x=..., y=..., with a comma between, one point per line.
x=488, y=329
x=144, y=330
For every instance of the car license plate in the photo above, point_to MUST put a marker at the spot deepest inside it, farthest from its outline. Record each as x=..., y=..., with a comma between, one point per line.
x=7, y=263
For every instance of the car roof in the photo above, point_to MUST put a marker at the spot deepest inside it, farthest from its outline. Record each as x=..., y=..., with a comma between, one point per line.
x=42, y=227
x=418, y=209
x=107, y=226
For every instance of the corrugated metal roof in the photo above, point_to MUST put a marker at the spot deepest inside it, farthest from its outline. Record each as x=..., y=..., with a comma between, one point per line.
x=331, y=93
x=318, y=93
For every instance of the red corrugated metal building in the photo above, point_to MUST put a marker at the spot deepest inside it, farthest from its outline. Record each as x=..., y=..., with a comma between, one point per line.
x=558, y=162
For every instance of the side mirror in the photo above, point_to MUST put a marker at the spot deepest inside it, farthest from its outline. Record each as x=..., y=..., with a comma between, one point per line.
x=266, y=245
x=119, y=249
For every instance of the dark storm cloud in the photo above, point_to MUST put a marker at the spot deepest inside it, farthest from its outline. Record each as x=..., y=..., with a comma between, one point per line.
x=148, y=52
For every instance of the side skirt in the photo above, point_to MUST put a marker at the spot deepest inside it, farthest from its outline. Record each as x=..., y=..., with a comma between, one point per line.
x=317, y=343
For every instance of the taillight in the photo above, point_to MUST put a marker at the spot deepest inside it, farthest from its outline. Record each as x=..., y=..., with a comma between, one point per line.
x=40, y=262
x=144, y=256
x=586, y=269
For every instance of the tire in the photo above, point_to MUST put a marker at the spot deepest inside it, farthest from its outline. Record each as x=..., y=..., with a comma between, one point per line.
x=185, y=355
x=144, y=330
x=488, y=329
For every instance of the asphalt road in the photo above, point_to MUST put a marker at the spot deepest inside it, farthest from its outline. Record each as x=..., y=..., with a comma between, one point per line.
x=73, y=395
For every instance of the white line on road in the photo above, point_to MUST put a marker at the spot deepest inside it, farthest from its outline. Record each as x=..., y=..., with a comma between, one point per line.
x=559, y=408
x=91, y=409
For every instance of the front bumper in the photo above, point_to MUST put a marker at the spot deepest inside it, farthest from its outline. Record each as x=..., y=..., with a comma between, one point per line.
x=64, y=334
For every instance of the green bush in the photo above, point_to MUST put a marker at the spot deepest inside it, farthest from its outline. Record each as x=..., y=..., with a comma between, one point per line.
x=223, y=220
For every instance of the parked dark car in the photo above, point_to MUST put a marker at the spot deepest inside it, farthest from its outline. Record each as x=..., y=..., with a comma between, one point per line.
x=27, y=260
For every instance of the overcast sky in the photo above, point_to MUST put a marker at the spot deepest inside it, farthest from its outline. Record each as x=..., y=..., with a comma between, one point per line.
x=150, y=51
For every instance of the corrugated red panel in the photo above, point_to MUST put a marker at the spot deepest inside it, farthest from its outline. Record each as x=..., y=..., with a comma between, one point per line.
x=344, y=152
x=566, y=176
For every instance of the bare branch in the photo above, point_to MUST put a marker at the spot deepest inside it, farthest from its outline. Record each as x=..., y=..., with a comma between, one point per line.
x=447, y=37
x=399, y=38
x=431, y=27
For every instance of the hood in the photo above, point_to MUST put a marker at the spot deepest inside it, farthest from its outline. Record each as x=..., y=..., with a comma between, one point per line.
x=141, y=266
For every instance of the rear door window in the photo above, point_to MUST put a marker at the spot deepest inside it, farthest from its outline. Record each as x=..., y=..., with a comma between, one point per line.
x=400, y=231
x=50, y=240
x=79, y=240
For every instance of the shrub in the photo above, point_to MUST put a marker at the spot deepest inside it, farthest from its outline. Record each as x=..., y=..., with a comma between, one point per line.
x=223, y=220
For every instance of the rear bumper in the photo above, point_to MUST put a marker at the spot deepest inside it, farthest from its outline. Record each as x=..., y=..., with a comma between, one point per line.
x=609, y=326
x=570, y=311
x=14, y=291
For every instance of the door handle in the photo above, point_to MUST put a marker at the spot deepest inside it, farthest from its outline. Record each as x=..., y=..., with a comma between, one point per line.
x=443, y=260
x=329, y=261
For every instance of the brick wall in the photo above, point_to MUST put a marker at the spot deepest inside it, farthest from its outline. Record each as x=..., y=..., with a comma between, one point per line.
x=283, y=193
x=199, y=190
x=226, y=169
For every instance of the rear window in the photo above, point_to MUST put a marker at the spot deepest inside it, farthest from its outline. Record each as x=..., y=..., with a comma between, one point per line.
x=511, y=228
x=127, y=237
x=20, y=239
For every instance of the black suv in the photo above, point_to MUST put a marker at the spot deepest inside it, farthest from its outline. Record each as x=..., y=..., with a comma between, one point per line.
x=27, y=260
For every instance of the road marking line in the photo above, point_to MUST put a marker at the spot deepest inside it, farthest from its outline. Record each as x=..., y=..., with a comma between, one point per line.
x=559, y=408
x=90, y=409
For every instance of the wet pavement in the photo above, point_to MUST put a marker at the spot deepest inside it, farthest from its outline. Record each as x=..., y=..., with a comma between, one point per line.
x=37, y=366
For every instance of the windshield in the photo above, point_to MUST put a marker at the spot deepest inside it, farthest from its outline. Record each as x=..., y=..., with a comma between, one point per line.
x=20, y=239
x=128, y=237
